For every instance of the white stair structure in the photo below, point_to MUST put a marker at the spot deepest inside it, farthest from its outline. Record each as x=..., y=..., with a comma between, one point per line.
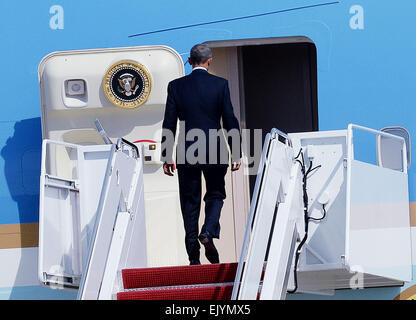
x=347, y=220
x=92, y=217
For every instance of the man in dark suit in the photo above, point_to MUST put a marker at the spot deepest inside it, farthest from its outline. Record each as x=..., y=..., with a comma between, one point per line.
x=200, y=101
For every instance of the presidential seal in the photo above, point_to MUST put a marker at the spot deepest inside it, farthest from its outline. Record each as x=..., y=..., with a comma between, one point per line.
x=127, y=84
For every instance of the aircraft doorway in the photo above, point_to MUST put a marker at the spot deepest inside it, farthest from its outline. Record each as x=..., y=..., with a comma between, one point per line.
x=273, y=84
x=279, y=89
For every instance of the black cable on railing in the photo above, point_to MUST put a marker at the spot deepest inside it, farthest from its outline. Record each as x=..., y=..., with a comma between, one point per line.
x=305, y=174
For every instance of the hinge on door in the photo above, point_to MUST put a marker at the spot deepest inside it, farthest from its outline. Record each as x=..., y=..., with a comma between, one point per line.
x=345, y=161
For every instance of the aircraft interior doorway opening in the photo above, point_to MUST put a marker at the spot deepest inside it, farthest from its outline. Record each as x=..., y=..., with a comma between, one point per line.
x=273, y=84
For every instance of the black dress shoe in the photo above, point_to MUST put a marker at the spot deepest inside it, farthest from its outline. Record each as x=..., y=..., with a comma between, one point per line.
x=194, y=262
x=210, y=251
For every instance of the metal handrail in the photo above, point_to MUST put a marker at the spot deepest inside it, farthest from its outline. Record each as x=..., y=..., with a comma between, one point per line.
x=350, y=143
x=277, y=132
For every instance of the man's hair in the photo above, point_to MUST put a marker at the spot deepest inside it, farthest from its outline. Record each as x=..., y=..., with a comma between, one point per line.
x=200, y=53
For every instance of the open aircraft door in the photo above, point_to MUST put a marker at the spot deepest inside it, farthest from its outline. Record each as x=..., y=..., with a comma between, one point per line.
x=95, y=192
x=126, y=89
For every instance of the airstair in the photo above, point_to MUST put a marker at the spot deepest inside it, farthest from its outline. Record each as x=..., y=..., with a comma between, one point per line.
x=320, y=220
x=91, y=215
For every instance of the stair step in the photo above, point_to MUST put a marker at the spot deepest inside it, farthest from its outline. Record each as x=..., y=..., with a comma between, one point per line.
x=179, y=276
x=204, y=292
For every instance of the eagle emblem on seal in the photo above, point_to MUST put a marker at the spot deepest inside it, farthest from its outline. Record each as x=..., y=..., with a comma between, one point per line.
x=128, y=84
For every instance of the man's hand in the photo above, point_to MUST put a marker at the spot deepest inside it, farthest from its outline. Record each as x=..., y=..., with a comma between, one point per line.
x=169, y=168
x=236, y=165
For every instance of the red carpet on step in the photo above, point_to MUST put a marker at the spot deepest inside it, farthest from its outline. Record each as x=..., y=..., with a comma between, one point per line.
x=220, y=292
x=180, y=275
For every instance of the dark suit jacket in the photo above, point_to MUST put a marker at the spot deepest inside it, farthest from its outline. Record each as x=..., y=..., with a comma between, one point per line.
x=200, y=100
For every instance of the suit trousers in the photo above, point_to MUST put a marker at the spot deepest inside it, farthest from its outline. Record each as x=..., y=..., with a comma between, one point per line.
x=190, y=198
